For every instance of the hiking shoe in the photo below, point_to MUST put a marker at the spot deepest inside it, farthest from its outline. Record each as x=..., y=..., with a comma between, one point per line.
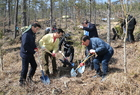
x=22, y=84
x=29, y=80
x=103, y=77
x=97, y=75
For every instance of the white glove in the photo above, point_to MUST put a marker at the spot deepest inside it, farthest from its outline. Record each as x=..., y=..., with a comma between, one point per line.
x=60, y=51
x=81, y=27
x=43, y=48
x=92, y=51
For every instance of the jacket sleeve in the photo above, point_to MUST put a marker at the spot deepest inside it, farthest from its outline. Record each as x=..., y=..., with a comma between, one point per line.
x=90, y=28
x=26, y=41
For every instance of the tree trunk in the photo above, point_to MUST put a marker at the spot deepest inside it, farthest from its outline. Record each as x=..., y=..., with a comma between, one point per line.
x=9, y=14
x=51, y=17
x=108, y=21
x=16, y=19
x=29, y=13
x=90, y=11
x=1, y=59
x=66, y=12
x=24, y=10
x=94, y=12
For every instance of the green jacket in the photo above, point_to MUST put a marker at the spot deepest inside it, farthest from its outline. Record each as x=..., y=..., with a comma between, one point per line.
x=118, y=29
x=47, y=41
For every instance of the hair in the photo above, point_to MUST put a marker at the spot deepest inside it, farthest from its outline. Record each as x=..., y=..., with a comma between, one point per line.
x=84, y=38
x=60, y=30
x=36, y=25
x=85, y=22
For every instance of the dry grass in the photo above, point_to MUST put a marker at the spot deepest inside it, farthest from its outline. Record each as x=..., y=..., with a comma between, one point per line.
x=116, y=83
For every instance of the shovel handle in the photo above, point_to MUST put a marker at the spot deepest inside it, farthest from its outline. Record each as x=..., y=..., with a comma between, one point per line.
x=63, y=55
x=88, y=58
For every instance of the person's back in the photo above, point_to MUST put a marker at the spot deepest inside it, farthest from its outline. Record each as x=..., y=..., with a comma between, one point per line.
x=100, y=46
x=94, y=32
x=131, y=22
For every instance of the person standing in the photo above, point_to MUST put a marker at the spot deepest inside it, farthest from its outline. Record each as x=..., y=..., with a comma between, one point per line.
x=49, y=43
x=131, y=26
x=103, y=51
x=91, y=31
x=27, y=51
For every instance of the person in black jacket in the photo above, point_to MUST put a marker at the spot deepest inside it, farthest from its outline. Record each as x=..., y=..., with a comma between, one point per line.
x=131, y=26
x=67, y=42
x=27, y=51
x=91, y=31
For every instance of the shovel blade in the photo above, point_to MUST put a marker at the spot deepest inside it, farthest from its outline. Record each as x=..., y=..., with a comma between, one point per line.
x=81, y=69
x=45, y=79
x=73, y=73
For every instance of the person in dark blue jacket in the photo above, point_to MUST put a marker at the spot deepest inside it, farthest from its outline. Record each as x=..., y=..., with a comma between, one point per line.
x=27, y=51
x=91, y=31
x=103, y=51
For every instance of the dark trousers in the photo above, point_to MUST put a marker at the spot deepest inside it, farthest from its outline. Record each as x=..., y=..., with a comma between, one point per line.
x=115, y=34
x=130, y=36
x=46, y=65
x=25, y=65
x=103, y=59
x=69, y=52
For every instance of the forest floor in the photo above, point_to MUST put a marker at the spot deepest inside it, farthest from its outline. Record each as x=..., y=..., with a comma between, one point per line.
x=116, y=83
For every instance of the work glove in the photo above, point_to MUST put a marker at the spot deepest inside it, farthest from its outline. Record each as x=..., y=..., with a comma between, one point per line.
x=92, y=51
x=60, y=51
x=36, y=49
x=43, y=47
x=80, y=26
x=53, y=54
x=82, y=64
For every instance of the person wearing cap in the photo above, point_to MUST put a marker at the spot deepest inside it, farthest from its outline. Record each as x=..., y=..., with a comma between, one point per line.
x=49, y=43
x=103, y=51
x=27, y=51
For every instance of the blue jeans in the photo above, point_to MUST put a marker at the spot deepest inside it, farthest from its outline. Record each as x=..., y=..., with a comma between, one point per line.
x=25, y=65
x=103, y=59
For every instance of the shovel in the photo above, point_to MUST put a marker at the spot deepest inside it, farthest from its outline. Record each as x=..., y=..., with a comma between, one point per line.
x=66, y=58
x=82, y=69
x=79, y=68
x=44, y=78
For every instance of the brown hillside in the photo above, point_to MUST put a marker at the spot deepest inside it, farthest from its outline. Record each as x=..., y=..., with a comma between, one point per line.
x=116, y=83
